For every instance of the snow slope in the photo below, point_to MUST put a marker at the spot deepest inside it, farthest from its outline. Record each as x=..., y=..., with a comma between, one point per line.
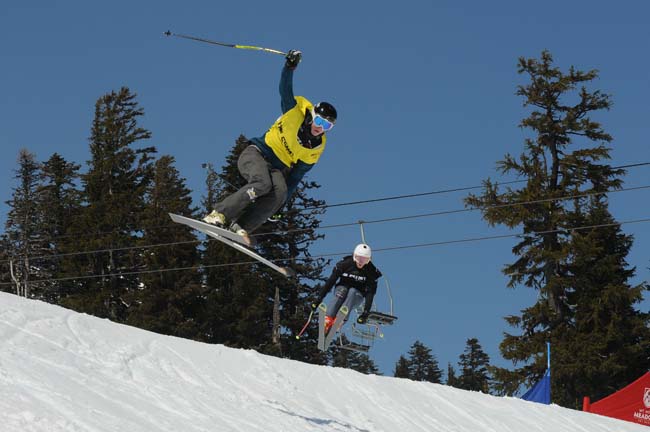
x=64, y=371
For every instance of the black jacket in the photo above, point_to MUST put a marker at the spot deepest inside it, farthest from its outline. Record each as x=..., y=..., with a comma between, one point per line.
x=348, y=274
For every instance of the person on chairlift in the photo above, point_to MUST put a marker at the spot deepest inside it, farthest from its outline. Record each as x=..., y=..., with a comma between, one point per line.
x=355, y=278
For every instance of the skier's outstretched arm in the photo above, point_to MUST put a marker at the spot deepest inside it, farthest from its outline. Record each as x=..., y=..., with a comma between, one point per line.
x=287, y=99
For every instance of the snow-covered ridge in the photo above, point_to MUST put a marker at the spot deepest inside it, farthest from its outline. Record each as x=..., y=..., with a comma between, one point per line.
x=64, y=371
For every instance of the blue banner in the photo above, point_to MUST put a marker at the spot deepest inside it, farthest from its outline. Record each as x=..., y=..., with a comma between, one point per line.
x=541, y=392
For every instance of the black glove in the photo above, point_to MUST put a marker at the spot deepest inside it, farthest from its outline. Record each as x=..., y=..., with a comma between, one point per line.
x=275, y=218
x=363, y=318
x=293, y=58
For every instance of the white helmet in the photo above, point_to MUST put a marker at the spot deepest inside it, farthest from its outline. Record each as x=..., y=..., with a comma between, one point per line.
x=362, y=254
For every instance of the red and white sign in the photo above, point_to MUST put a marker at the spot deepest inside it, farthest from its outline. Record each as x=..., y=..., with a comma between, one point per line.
x=631, y=403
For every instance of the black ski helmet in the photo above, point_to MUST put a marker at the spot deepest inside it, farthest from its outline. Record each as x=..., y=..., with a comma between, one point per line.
x=326, y=110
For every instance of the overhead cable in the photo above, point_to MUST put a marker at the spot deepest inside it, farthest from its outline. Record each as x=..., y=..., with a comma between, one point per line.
x=342, y=225
x=378, y=249
x=389, y=198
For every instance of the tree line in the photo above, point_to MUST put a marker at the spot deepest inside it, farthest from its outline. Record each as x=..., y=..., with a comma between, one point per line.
x=83, y=240
x=473, y=373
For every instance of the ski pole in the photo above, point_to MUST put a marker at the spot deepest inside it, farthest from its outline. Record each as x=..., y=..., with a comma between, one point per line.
x=306, y=324
x=248, y=47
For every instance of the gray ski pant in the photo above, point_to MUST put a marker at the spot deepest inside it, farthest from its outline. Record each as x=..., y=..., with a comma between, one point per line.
x=263, y=195
x=350, y=297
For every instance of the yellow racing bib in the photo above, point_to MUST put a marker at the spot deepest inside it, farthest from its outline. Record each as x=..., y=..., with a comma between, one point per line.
x=282, y=137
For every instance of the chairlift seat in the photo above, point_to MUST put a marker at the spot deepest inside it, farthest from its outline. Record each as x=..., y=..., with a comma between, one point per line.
x=375, y=317
x=353, y=346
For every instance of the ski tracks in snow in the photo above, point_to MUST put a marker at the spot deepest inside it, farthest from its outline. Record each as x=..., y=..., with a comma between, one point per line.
x=62, y=371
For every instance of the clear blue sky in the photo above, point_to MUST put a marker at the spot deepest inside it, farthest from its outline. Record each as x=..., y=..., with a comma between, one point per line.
x=425, y=94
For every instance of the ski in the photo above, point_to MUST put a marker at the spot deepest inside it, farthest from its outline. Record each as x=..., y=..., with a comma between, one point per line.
x=205, y=227
x=322, y=310
x=229, y=238
x=338, y=324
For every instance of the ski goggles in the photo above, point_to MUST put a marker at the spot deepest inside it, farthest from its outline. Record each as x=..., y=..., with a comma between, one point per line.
x=322, y=121
x=361, y=260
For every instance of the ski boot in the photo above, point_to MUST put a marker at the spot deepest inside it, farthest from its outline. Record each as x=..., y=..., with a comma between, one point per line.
x=329, y=322
x=215, y=218
x=234, y=227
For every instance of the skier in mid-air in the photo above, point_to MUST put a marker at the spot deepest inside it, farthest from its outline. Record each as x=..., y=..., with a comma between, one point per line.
x=274, y=164
x=355, y=278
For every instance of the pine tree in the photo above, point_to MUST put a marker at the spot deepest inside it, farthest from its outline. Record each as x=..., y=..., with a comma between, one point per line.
x=550, y=248
x=452, y=379
x=423, y=366
x=402, y=368
x=218, y=320
x=6, y=283
x=614, y=337
x=24, y=229
x=238, y=302
x=113, y=192
x=473, y=364
x=59, y=204
x=168, y=302
x=293, y=236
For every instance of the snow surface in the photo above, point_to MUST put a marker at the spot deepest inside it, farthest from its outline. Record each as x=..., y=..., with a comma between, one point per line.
x=64, y=371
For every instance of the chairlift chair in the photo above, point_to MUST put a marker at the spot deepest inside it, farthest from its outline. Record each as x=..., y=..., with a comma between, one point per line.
x=367, y=333
x=372, y=326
